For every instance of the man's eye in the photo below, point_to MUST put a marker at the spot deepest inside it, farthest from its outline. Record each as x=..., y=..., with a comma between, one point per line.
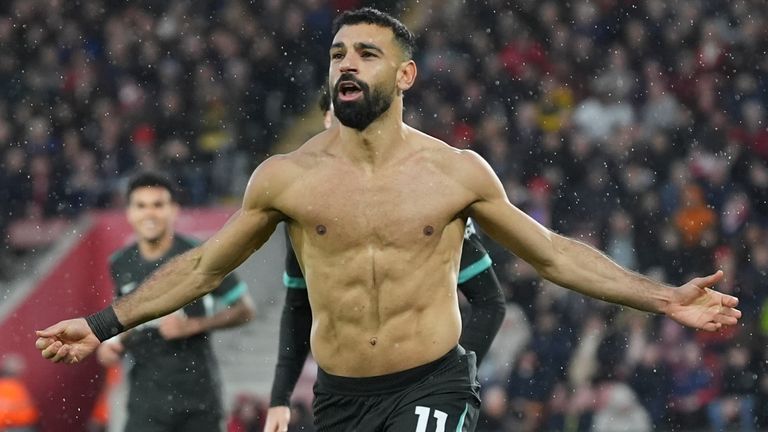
x=336, y=56
x=368, y=54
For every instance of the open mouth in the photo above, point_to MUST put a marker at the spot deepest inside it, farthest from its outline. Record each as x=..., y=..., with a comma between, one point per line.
x=348, y=91
x=149, y=225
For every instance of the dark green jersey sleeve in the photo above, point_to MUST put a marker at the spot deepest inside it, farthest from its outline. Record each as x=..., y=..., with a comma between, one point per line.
x=481, y=287
x=474, y=256
x=295, y=328
x=230, y=291
x=231, y=288
x=293, y=345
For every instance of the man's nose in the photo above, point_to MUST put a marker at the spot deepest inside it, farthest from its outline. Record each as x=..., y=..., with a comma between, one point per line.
x=348, y=65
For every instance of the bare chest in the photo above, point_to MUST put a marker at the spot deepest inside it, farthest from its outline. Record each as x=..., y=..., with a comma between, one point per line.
x=346, y=208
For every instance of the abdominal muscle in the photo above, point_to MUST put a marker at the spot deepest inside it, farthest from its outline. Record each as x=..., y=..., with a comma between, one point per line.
x=403, y=319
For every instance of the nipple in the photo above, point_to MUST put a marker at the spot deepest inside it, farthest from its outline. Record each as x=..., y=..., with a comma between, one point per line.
x=373, y=341
x=428, y=230
x=320, y=229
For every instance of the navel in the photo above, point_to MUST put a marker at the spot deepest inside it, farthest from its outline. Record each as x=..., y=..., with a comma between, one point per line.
x=428, y=230
x=320, y=229
x=373, y=341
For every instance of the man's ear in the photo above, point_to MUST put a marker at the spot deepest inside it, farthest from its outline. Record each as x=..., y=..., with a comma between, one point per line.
x=406, y=75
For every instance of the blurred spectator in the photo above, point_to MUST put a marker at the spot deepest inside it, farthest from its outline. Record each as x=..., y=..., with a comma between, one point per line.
x=616, y=81
x=528, y=389
x=693, y=388
x=248, y=414
x=620, y=240
x=736, y=402
x=301, y=417
x=599, y=115
x=18, y=412
x=693, y=218
x=511, y=339
x=618, y=410
x=494, y=410
x=652, y=382
x=99, y=418
x=753, y=132
x=661, y=110
x=583, y=365
x=15, y=190
x=580, y=409
x=555, y=105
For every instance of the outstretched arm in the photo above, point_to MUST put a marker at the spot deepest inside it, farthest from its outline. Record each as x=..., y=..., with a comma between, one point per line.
x=185, y=278
x=576, y=266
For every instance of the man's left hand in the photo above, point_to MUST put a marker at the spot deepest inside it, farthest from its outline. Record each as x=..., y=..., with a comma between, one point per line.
x=696, y=305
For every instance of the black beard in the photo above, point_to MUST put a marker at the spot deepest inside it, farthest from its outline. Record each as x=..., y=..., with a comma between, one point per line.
x=361, y=113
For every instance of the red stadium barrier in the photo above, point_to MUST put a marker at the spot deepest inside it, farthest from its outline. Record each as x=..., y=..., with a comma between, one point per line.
x=79, y=283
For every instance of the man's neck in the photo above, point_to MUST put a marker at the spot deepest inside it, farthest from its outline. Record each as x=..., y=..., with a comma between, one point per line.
x=153, y=250
x=380, y=142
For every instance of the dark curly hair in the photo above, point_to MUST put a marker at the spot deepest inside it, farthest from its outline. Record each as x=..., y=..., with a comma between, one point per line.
x=367, y=15
x=150, y=179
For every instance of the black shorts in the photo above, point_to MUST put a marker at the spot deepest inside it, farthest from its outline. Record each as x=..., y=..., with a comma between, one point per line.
x=440, y=396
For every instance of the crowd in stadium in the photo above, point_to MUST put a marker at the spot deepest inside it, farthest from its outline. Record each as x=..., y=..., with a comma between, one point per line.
x=637, y=127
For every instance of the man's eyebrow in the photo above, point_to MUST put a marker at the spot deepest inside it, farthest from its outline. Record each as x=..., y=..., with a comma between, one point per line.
x=359, y=46
x=368, y=46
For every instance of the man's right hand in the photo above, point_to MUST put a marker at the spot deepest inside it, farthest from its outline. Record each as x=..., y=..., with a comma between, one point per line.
x=110, y=352
x=67, y=341
x=278, y=418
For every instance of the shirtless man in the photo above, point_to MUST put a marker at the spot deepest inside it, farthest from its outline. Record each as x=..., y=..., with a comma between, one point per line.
x=477, y=282
x=376, y=213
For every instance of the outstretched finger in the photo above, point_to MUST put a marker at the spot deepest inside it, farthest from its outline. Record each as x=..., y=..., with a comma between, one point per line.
x=729, y=312
x=51, y=331
x=725, y=319
x=730, y=301
x=708, y=281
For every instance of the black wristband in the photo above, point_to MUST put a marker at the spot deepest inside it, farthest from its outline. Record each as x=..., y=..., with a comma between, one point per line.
x=104, y=323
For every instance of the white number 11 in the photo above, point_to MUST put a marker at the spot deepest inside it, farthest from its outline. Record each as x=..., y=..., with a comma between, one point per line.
x=423, y=413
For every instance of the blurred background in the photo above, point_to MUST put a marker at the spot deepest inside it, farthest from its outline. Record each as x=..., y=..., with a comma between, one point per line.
x=636, y=126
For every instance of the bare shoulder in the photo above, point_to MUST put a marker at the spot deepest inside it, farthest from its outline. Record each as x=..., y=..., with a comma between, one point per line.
x=466, y=167
x=279, y=172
